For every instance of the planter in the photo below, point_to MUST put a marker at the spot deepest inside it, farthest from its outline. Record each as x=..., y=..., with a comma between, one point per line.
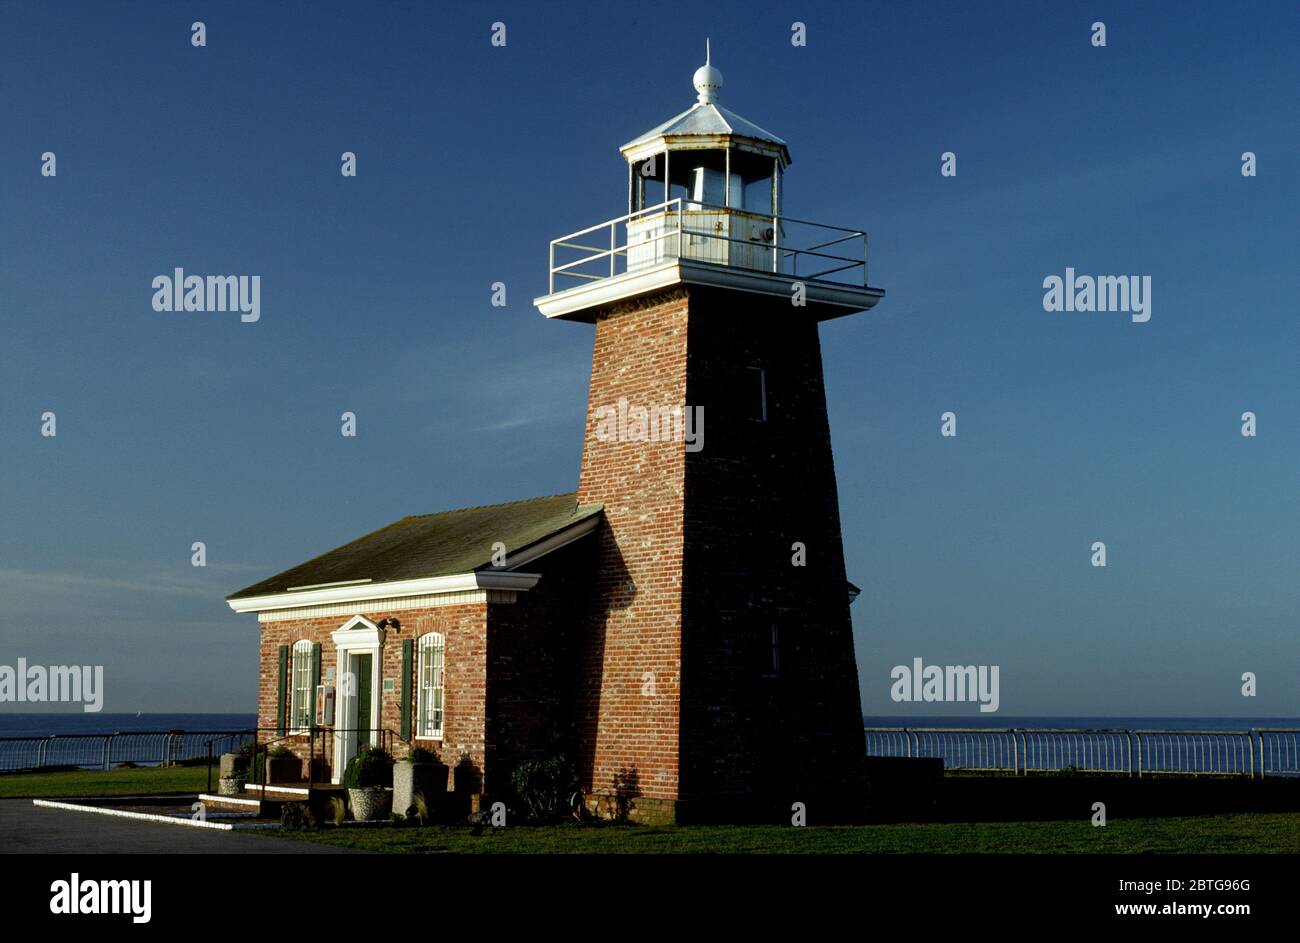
x=283, y=769
x=232, y=763
x=231, y=785
x=429, y=779
x=371, y=803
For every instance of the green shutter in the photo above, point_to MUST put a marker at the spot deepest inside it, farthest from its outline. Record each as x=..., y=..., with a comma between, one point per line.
x=407, y=649
x=315, y=680
x=281, y=683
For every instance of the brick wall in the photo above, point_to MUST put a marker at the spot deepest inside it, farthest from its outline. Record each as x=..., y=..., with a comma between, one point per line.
x=533, y=666
x=751, y=724
x=695, y=561
x=464, y=628
x=627, y=709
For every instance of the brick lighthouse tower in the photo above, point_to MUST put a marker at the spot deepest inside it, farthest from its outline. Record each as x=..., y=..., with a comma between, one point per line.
x=717, y=669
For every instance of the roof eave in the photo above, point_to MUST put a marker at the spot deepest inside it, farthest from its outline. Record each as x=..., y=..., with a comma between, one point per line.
x=511, y=580
x=642, y=149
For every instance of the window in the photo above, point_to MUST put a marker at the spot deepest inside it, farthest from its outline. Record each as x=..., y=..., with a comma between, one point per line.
x=302, y=696
x=428, y=721
x=755, y=403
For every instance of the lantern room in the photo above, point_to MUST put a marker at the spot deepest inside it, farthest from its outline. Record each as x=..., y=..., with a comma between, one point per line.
x=704, y=200
x=719, y=171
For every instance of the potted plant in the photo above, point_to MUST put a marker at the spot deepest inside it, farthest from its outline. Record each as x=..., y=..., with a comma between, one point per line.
x=283, y=766
x=234, y=774
x=232, y=784
x=368, y=780
x=420, y=772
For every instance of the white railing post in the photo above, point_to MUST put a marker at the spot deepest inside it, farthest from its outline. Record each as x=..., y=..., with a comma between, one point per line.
x=776, y=246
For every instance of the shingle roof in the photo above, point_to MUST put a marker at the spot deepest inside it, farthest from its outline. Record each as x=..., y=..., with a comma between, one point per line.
x=429, y=545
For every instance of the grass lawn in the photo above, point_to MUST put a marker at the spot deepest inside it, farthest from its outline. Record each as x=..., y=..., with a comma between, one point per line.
x=1277, y=833
x=1255, y=832
x=116, y=782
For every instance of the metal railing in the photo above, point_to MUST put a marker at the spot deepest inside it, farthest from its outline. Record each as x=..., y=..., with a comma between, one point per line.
x=1256, y=752
x=103, y=750
x=314, y=747
x=671, y=230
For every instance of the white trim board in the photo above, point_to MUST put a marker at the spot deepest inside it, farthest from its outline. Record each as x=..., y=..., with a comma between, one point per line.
x=291, y=790
x=147, y=816
x=552, y=543
x=229, y=800
x=362, y=593
x=832, y=298
x=499, y=596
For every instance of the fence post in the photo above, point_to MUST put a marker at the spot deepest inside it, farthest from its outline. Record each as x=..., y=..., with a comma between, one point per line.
x=40, y=754
x=108, y=749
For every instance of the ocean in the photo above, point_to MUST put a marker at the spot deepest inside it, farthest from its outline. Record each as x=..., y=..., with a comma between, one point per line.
x=48, y=725
x=44, y=725
x=968, y=721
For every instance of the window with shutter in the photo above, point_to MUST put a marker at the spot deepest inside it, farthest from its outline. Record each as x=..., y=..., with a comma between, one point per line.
x=429, y=705
x=303, y=692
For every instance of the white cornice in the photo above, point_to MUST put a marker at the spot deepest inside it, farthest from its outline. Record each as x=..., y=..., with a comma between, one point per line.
x=826, y=299
x=461, y=582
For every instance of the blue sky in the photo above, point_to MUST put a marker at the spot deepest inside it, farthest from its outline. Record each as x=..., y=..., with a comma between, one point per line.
x=1073, y=427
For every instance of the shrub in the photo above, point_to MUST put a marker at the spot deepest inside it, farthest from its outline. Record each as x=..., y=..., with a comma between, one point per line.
x=543, y=787
x=372, y=766
x=297, y=817
x=421, y=755
x=418, y=813
x=281, y=751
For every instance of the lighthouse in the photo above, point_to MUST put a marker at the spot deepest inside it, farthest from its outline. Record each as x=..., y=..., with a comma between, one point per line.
x=715, y=663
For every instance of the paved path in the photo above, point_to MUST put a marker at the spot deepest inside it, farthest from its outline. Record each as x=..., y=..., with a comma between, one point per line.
x=27, y=829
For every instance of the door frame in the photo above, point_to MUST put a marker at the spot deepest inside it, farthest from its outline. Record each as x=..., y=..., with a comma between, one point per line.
x=357, y=636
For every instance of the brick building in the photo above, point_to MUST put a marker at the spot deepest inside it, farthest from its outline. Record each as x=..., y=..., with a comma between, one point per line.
x=679, y=626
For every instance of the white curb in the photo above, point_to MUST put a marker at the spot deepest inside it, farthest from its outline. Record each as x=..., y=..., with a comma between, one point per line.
x=144, y=816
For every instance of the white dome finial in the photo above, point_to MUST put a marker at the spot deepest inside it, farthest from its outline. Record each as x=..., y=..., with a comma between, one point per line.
x=708, y=80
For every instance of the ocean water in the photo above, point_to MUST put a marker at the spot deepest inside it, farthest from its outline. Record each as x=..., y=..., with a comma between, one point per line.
x=1277, y=752
x=46, y=725
x=975, y=720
